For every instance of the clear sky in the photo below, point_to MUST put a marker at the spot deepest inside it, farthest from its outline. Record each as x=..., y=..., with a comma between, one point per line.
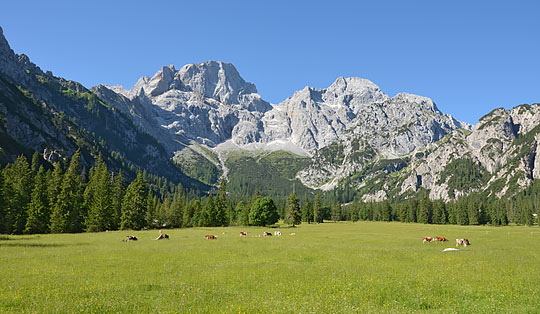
x=468, y=56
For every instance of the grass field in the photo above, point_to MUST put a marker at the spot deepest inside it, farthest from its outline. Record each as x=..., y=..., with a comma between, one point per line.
x=364, y=267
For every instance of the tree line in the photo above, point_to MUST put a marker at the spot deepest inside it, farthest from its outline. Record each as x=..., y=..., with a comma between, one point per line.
x=58, y=200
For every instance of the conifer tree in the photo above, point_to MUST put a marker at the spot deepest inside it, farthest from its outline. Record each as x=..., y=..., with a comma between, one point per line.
x=67, y=213
x=187, y=217
x=243, y=213
x=151, y=207
x=134, y=205
x=294, y=216
x=55, y=184
x=221, y=206
x=36, y=162
x=98, y=197
x=39, y=210
x=3, y=206
x=424, y=210
x=307, y=211
x=118, y=192
x=318, y=214
x=176, y=210
x=18, y=187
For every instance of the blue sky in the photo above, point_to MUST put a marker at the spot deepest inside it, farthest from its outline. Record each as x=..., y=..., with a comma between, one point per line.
x=469, y=56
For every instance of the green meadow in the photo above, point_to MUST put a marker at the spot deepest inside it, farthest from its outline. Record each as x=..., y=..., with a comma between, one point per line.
x=364, y=267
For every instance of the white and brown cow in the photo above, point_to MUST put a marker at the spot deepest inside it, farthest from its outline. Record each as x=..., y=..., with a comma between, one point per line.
x=277, y=233
x=463, y=242
x=210, y=237
x=243, y=234
x=427, y=239
x=267, y=234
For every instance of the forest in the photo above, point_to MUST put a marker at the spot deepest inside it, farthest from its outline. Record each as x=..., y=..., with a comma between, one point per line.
x=36, y=197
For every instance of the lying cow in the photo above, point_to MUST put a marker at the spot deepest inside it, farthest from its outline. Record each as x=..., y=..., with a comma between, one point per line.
x=277, y=233
x=267, y=234
x=130, y=238
x=210, y=237
x=427, y=239
x=463, y=242
x=243, y=234
x=441, y=239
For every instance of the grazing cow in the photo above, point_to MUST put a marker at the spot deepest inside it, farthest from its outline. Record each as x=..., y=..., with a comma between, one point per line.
x=463, y=242
x=210, y=237
x=427, y=239
x=267, y=234
x=277, y=233
x=162, y=236
x=243, y=234
x=130, y=238
x=441, y=239
x=293, y=234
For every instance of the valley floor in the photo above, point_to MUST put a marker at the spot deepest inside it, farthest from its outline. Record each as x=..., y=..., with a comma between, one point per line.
x=327, y=268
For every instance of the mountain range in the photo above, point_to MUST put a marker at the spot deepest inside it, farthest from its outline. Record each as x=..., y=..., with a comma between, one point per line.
x=203, y=122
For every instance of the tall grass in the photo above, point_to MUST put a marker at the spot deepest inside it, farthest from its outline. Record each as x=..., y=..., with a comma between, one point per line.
x=326, y=268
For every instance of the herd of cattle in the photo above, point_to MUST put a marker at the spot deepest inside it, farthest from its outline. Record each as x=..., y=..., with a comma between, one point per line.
x=162, y=236
x=459, y=242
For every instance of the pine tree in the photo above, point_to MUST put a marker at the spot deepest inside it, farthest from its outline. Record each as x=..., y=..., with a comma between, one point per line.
x=18, y=187
x=134, y=205
x=221, y=206
x=3, y=206
x=176, y=210
x=189, y=211
x=335, y=212
x=55, y=184
x=39, y=210
x=36, y=162
x=118, y=192
x=151, y=207
x=243, y=213
x=294, y=216
x=318, y=214
x=67, y=213
x=307, y=211
x=98, y=197
x=424, y=210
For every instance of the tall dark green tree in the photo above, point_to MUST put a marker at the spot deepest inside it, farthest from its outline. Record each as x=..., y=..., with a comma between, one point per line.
x=318, y=211
x=55, y=184
x=221, y=205
x=98, y=197
x=294, y=216
x=307, y=211
x=243, y=213
x=18, y=187
x=118, y=192
x=424, y=210
x=176, y=210
x=3, y=206
x=335, y=211
x=134, y=205
x=39, y=210
x=67, y=213
x=36, y=162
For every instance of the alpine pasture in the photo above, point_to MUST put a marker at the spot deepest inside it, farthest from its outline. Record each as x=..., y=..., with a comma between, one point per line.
x=360, y=267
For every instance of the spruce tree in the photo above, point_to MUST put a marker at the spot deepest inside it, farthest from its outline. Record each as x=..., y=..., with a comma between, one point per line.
x=18, y=187
x=118, y=192
x=318, y=214
x=134, y=205
x=176, y=210
x=424, y=210
x=335, y=211
x=187, y=217
x=67, y=213
x=99, y=199
x=294, y=215
x=243, y=213
x=3, y=206
x=36, y=162
x=307, y=211
x=55, y=184
x=39, y=210
x=221, y=205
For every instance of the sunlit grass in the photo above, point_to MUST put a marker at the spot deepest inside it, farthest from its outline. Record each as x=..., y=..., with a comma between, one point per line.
x=326, y=268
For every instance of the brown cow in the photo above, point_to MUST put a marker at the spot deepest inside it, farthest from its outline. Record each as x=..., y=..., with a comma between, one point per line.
x=243, y=234
x=427, y=239
x=441, y=239
x=210, y=237
x=267, y=234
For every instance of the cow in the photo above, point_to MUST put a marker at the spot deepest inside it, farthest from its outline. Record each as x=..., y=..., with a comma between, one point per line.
x=162, y=236
x=293, y=234
x=463, y=242
x=267, y=234
x=243, y=234
x=441, y=239
x=210, y=237
x=130, y=238
x=277, y=233
x=427, y=239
